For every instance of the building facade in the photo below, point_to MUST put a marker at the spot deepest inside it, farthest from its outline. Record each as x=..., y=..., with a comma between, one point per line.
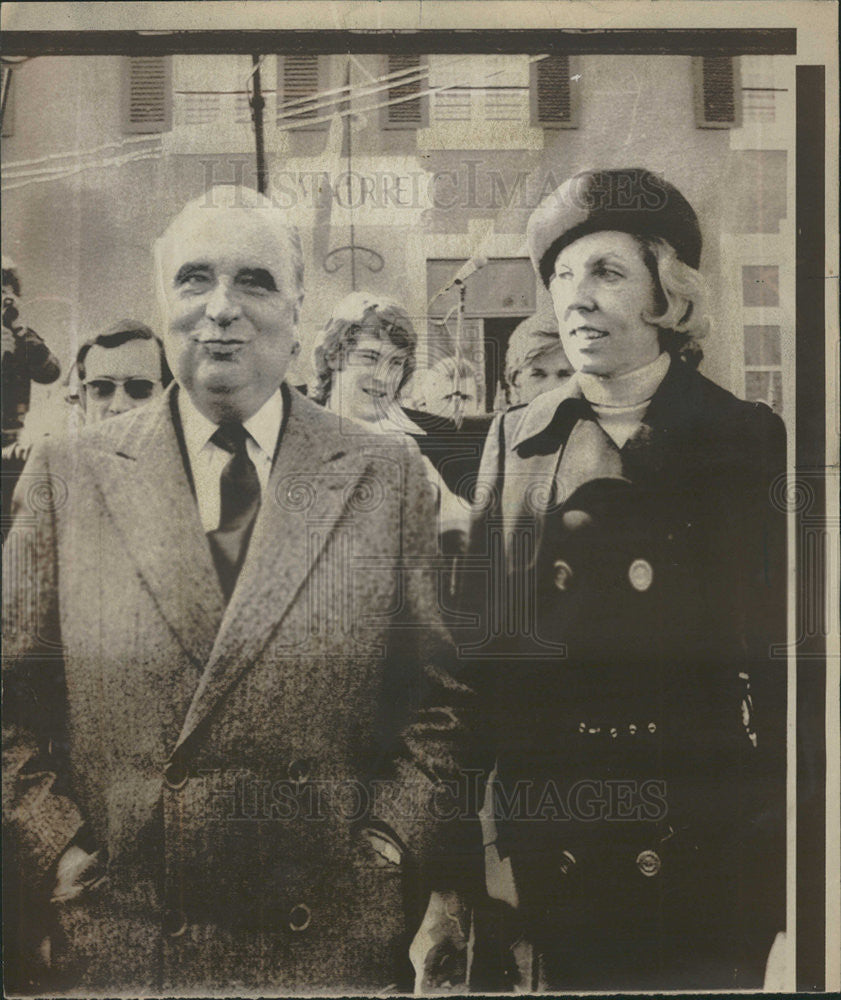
x=400, y=169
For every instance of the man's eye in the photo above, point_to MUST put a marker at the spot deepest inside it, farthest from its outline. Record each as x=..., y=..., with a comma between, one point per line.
x=561, y=275
x=256, y=279
x=609, y=273
x=191, y=279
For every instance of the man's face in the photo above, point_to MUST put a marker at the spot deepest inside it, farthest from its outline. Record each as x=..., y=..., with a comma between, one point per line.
x=120, y=378
x=231, y=309
x=451, y=396
x=547, y=371
x=366, y=387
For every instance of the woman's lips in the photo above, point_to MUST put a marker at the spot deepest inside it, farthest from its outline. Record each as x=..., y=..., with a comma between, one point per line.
x=588, y=333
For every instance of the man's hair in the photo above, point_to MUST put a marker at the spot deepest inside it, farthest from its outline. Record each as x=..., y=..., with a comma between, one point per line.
x=231, y=196
x=117, y=335
x=355, y=315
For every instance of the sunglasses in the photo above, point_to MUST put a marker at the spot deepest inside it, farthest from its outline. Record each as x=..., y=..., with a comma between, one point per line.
x=101, y=389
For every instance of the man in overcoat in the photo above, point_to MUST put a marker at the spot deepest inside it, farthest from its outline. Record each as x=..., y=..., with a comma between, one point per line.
x=228, y=716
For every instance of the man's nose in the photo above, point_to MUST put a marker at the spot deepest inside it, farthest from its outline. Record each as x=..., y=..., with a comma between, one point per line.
x=222, y=306
x=120, y=401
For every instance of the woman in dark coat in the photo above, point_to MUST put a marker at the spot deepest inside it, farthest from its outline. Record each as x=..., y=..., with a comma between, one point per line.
x=632, y=559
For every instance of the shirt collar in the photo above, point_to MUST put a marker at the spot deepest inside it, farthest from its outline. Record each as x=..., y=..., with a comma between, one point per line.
x=541, y=411
x=263, y=426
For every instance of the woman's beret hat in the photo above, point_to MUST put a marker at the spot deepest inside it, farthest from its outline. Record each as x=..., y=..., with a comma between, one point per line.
x=630, y=200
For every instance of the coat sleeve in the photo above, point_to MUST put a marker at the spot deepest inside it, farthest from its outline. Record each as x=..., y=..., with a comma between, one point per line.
x=428, y=798
x=40, y=818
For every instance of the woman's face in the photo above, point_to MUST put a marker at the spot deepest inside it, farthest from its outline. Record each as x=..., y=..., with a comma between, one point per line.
x=601, y=290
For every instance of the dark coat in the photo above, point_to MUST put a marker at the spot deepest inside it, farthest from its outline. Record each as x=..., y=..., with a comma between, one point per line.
x=220, y=755
x=454, y=450
x=638, y=717
x=32, y=361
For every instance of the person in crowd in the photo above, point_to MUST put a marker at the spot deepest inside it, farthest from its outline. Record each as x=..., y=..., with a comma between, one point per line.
x=535, y=361
x=231, y=725
x=450, y=388
x=627, y=564
x=363, y=358
x=26, y=358
x=120, y=369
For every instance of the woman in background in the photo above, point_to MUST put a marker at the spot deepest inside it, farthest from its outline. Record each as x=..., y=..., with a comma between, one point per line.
x=363, y=359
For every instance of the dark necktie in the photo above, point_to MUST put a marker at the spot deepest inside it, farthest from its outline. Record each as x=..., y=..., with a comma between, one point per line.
x=240, y=501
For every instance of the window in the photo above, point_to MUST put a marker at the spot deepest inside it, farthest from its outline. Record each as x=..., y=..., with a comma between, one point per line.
x=147, y=101
x=479, y=89
x=301, y=78
x=408, y=76
x=718, y=93
x=554, y=93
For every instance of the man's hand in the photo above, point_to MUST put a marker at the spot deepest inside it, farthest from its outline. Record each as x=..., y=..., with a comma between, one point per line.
x=77, y=872
x=439, y=950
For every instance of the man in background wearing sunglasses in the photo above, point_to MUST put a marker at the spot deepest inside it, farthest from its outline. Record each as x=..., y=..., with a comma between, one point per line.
x=120, y=369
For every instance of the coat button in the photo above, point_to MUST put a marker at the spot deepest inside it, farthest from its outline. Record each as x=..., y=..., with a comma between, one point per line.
x=299, y=917
x=575, y=520
x=649, y=863
x=563, y=574
x=174, y=922
x=567, y=863
x=632, y=728
x=641, y=574
x=176, y=774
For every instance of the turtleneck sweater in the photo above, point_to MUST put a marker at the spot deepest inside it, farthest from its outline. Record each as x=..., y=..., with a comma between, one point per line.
x=620, y=403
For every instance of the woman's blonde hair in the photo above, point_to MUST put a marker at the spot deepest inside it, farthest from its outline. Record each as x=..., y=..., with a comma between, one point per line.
x=681, y=298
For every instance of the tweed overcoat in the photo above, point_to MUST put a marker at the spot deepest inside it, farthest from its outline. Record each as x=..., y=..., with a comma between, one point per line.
x=631, y=661
x=220, y=758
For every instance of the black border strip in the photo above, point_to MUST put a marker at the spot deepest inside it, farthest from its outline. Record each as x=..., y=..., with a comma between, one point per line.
x=811, y=541
x=632, y=41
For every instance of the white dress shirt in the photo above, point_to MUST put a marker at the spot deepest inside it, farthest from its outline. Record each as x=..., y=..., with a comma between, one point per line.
x=207, y=460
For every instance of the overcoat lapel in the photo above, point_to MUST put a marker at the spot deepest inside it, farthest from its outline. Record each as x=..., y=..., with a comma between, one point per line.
x=308, y=490
x=146, y=492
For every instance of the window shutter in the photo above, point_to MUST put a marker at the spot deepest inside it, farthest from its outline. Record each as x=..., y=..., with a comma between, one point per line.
x=553, y=97
x=403, y=112
x=147, y=103
x=717, y=92
x=9, y=110
x=299, y=84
